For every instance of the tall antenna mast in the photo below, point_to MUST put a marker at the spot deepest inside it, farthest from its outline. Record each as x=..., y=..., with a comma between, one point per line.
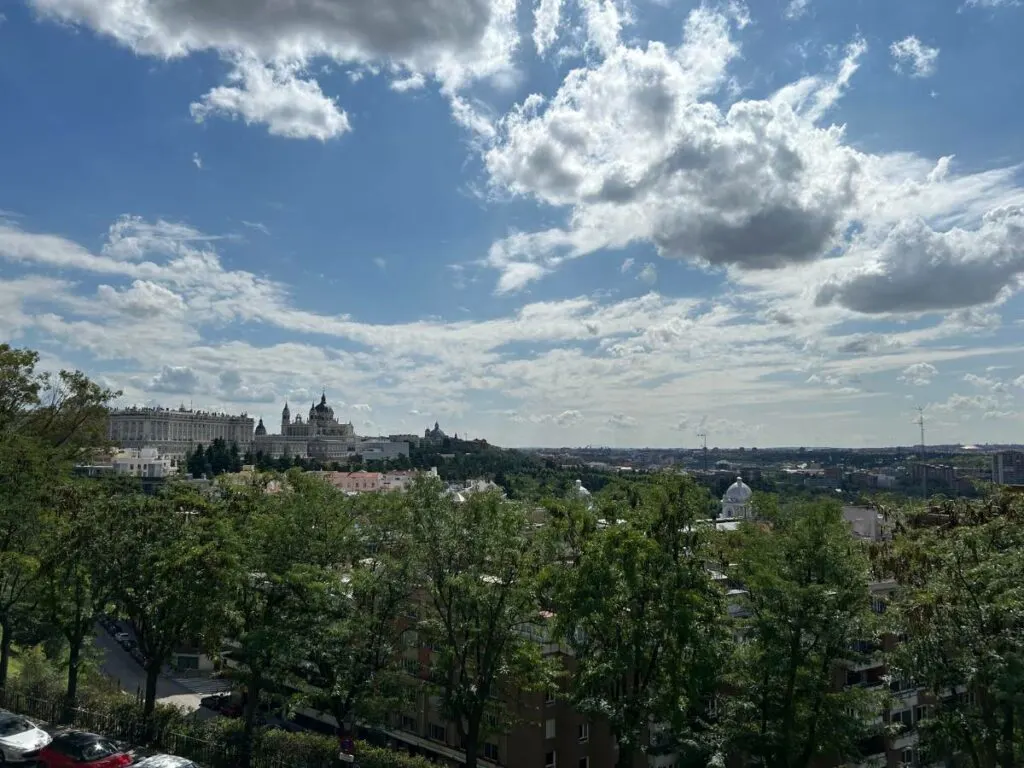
x=704, y=438
x=924, y=465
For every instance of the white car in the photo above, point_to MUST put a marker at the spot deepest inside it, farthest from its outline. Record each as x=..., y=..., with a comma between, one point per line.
x=164, y=761
x=20, y=738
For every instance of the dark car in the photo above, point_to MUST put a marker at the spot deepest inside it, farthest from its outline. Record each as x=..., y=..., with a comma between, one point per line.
x=72, y=749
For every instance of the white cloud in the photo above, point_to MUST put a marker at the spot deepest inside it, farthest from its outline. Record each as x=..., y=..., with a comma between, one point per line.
x=627, y=265
x=638, y=151
x=991, y=3
x=986, y=383
x=911, y=52
x=174, y=380
x=380, y=262
x=144, y=300
x=517, y=275
x=648, y=275
x=170, y=301
x=413, y=82
x=568, y=418
x=916, y=269
x=197, y=161
x=362, y=407
x=275, y=96
x=258, y=226
x=546, y=17
x=621, y=421
x=918, y=374
x=796, y=8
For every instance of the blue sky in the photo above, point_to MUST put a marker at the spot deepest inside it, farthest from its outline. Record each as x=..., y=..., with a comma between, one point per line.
x=562, y=223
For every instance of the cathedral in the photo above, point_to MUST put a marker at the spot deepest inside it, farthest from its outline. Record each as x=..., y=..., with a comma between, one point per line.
x=322, y=436
x=321, y=422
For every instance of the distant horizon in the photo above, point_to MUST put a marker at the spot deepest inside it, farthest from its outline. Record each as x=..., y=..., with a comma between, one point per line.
x=543, y=223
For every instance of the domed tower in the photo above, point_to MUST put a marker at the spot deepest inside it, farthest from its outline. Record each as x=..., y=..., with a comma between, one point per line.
x=260, y=429
x=736, y=501
x=286, y=418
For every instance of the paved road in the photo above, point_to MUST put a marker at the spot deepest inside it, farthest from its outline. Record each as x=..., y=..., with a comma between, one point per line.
x=118, y=665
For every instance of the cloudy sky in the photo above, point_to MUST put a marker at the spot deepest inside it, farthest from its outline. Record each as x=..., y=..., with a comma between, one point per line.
x=569, y=222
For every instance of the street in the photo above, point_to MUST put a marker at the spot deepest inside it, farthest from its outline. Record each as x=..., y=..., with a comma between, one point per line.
x=119, y=666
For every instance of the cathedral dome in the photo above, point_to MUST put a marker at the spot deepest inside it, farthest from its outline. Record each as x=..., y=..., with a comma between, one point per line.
x=260, y=429
x=738, y=493
x=322, y=411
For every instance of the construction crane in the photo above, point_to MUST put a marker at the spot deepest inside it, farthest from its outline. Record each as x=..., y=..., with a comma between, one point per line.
x=704, y=442
x=924, y=464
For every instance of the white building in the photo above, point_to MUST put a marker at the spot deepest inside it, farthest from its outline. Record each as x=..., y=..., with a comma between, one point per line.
x=133, y=462
x=736, y=502
x=175, y=432
x=322, y=436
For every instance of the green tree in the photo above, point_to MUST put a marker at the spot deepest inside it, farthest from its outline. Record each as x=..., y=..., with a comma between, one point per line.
x=292, y=543
x=637, y=606
x=805, y=608
x=173, y=560
x=477, y=565
x=195, y=462
x=74, y=587
x=960, y=565
x=46, y=422
x=357, y=635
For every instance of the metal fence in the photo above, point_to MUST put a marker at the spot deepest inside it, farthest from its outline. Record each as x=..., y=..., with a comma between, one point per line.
x=126, y=724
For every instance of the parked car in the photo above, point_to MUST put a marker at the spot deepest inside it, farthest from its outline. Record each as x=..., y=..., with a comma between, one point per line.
x=122, y=637
x=72, y=749
x=20, y=738
x=164, y=761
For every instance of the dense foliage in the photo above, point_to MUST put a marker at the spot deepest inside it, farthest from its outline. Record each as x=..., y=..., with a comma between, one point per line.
x=715, y=645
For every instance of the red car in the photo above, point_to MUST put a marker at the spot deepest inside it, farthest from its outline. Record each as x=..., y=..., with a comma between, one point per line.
x=72, y=749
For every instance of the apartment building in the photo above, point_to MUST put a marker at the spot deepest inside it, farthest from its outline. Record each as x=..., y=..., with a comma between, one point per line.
x=547, y=731
x=1008, y=468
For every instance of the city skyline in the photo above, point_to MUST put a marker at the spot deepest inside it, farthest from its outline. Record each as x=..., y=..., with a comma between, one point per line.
x=543, y=224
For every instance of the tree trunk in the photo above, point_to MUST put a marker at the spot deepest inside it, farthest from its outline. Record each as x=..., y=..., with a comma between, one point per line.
x=152, y=677
x=625, y=759
x=472, y=741
x=5, y=652
x=71, y=699
x=252, y=700
x=1007, y=758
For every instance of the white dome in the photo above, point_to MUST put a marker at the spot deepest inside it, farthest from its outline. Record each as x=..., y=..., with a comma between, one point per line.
x=738, y=493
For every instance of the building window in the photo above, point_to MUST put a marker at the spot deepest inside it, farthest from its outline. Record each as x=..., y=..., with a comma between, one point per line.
x=878, y=605
x=549, y=729
x=437, y=732
x=908, y=757
x=922, y=712
x=409, y=724
x=904, y=717
x=412, y=666
x=549, y=698
x=583, y=733
x=584, y=762
x=550, y=760
x=490, y=751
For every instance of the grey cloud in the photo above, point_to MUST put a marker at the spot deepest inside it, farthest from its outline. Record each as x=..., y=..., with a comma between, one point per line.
x=918, y=269
x=174, y=380
x=621, y=421
x=349, y=29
